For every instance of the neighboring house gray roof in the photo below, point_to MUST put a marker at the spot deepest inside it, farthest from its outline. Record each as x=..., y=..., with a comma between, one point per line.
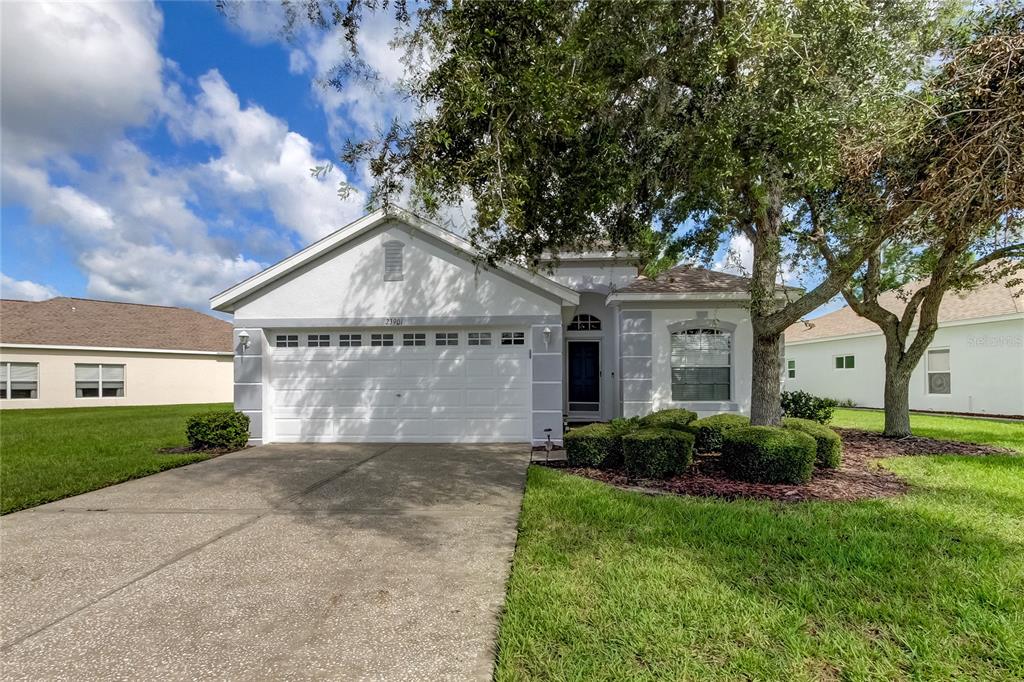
x=686, y=279
x=105, y=324
x=988, y=300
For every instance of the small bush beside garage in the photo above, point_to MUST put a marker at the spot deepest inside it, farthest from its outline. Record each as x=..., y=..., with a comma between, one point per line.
x=221, y=429
x=768, y=454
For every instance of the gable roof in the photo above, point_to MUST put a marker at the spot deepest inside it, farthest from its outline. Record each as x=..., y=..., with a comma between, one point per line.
x=225, y=300
x=994, y=299
x=685, y=282
x=105, y=324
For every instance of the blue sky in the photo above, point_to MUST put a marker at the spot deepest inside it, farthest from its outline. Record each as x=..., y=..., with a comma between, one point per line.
x=159, y=153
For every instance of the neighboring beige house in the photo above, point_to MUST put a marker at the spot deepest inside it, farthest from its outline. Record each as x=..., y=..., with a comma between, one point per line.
x=975, y=363
x=75, y=352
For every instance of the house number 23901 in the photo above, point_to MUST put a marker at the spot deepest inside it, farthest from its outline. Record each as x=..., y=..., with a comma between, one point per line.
x=393, y=321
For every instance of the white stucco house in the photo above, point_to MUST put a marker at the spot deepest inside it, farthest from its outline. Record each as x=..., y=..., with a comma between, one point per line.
x=974, y=365
x=390, y=330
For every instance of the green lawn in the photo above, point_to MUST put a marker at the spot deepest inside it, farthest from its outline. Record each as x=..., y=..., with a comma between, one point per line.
x=49, y=454
x=614, y=585
x=1006, y=434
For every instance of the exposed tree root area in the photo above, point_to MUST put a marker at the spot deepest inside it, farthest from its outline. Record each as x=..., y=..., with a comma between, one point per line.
x=859, y=477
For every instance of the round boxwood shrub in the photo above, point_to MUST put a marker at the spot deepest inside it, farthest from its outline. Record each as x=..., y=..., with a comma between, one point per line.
x=768, y=454
x=657, y=453
x=708, y=432
x=669, y=419
x=220, y=429
x=829, y=444
x=593, y=445
x=803, y=405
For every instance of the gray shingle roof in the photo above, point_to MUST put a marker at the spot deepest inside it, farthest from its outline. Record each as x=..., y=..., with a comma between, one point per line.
x=685, y=279
x=106, y=324
x=988, y=300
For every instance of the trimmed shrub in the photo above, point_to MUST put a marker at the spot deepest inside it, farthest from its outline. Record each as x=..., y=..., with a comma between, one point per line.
x=220, y=429
x=708, y=432
x=669, y=419
x=803, y=405
x=593, y=445
x=768, y=454
x=620, y=426
x=829, y=444
x=657, y=453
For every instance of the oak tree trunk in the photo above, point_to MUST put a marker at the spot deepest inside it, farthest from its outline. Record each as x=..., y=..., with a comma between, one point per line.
x=897, y=394
x=765, y=389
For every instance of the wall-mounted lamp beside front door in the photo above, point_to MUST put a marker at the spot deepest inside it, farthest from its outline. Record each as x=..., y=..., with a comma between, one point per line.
x=547, y=337
x=243, y=339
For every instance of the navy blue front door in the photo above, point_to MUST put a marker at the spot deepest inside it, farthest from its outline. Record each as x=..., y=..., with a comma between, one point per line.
x=584, y=376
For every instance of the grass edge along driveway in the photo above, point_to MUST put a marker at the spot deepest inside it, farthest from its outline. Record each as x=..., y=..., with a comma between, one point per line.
x=50, y=454
x=612, y=585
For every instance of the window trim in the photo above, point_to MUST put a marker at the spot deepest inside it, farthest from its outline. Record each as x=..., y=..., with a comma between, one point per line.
x=852, y=357
x=791, y=368
x=478, y=338
x=718, y=326
x=8, y=391
x=446, y=339
x=288, y=338
x=928, y=371
x=513, y=338
x=99, y=380
x=584, y=322
x=418, y=339
x=350, y=340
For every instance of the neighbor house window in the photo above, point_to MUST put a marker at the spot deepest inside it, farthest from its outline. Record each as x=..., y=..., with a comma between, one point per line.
x=938, y=372
x=513, y=338
x=479, y=339
x=701, y=364
x=19, y=380
x=318, y=340
x=99, y=381
x=382, y=339
x=584, y=323
x=287, y=341
x=350, y=340
x=446, y=338
x=414, y=339
x=791, y=369
x=393, y=261
x=844, y=362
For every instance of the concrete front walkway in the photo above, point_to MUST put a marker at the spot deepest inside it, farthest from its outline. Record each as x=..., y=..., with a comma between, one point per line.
x=375, y=562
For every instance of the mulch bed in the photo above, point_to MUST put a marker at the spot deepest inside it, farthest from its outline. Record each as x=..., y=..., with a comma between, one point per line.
x=858, y=478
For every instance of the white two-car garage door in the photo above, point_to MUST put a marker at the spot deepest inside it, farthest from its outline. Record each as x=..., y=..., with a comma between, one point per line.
x=441, y=385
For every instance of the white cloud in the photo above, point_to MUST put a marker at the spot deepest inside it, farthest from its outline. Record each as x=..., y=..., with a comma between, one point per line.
x=25, y=290
x=74, y=75
x=131, y=219
x=263, y=161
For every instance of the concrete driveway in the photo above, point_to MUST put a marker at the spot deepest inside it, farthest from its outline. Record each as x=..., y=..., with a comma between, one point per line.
x=377, y=562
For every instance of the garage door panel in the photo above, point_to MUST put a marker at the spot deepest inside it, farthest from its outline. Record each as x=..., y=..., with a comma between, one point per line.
x=430, y=393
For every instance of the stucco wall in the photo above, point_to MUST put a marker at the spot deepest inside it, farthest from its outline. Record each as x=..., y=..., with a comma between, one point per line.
x=349, y=284
x=150, y=378
x=986, y=363
x=592, y=275
x=661, y=344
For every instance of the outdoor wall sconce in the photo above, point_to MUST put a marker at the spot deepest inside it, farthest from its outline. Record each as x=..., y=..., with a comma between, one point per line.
x=243, y=339
x=547, y=337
